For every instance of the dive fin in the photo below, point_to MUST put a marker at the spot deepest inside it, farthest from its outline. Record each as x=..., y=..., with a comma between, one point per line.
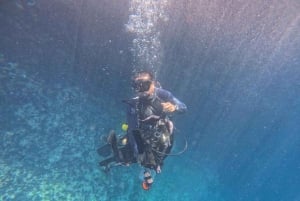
x=107, y=161
x=110, y=144
x=105, y=150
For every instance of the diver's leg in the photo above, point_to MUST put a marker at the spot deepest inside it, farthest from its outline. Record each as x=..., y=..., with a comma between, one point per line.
x=148, y=180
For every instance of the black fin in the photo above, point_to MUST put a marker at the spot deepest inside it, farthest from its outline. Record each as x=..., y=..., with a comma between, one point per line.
x=107, y=161
x=105, y=150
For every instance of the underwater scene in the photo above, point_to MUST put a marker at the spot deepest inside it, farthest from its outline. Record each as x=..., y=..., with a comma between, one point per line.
x=69, y=70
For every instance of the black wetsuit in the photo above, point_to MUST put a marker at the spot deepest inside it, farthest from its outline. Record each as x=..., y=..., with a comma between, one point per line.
x=149, y=132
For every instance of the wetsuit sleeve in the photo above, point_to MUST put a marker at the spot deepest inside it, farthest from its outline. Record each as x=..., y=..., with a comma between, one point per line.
x=168, y=97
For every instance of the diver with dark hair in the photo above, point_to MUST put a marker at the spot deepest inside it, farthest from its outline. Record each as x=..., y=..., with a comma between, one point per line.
x=151, y=124
x=149, y=137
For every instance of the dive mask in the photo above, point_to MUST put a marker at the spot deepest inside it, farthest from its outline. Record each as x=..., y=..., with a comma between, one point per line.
x=141, y=85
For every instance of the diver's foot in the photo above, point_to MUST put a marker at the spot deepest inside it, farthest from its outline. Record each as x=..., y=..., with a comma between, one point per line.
x=148, y=180
x=158, y=169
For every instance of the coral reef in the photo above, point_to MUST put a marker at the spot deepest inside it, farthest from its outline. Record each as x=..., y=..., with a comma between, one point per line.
x=49, y=136
x=48, y=139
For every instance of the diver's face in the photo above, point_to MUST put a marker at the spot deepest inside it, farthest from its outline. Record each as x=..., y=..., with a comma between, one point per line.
x=144, y=85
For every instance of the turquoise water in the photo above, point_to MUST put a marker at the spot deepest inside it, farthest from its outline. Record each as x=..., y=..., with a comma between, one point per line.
x=65, y=67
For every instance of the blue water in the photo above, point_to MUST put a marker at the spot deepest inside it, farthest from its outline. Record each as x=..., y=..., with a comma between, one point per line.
x=65, y=66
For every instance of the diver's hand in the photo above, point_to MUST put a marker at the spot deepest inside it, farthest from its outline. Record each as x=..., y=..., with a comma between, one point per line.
x=168, y=107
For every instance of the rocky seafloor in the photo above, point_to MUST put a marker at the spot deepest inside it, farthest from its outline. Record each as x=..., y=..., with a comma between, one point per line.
x=49, y=136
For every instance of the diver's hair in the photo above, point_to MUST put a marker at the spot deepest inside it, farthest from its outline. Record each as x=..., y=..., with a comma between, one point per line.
x=144, y=72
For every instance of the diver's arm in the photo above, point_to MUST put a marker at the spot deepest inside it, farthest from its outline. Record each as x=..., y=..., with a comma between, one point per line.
x=180, y=106
x=168, y=97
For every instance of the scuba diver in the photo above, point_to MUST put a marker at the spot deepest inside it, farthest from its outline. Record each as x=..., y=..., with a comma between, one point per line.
x=149, y=136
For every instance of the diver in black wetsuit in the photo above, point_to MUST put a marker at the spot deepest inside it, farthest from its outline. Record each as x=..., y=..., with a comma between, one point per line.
x=149, y=137
x=149, y=125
